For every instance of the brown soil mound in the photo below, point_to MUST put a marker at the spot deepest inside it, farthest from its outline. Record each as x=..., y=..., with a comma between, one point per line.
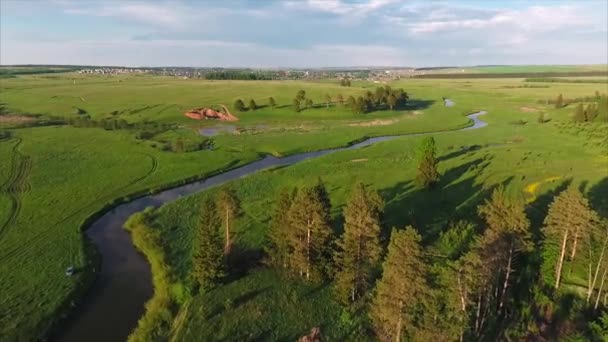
x=209, y=113
x=15, y=118
x=528, y=109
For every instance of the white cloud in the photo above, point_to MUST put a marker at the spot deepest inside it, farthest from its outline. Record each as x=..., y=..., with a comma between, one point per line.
x=532, y=19
x=157, y=14
x=341, y=7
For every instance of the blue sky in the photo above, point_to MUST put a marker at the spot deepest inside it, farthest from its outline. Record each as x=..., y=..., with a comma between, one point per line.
x=303, y=33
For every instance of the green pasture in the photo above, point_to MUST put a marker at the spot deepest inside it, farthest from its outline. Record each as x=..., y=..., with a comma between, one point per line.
x=55, y=177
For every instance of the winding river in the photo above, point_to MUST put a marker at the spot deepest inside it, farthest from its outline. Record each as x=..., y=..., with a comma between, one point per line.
x=116, y=301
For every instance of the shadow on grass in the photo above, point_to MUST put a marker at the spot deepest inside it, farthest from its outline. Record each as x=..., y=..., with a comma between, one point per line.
x=429, y=209
x=462, y=151
x=598, y=196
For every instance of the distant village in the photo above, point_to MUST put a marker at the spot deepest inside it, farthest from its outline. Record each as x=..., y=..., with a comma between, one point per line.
x=377, y=75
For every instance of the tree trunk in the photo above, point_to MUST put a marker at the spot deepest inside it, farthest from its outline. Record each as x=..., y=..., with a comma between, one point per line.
x=308, y=238
x=560, y=263
x=399, y=323
x=227, y=244
x=599, y=292
x=461, y=292
x=357, y=267
x=478, y=314
x=597, y=270
x=506, y=282
x=574, y=243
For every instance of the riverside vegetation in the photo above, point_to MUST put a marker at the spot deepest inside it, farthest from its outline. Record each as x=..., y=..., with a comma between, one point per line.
x=441, y=202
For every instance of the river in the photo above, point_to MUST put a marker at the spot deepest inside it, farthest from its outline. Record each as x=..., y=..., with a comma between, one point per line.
x=116, y=301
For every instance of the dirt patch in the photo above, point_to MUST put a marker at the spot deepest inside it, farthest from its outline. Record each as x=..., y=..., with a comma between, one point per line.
x=209, y=113
x=15, y=118
x=377, y=122
x=359, y=160
x=528, y=109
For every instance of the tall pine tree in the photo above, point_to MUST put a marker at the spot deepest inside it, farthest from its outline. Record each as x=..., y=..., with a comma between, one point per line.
x=208, y=258
x=507, y=233
x=310, y=233
x=569, y=220
x=427, y=163
x=230, y=206
x=400, y=291
x=278, y=249
x=359, y=249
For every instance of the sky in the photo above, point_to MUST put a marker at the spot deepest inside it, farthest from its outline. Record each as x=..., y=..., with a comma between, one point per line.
x=303, y=33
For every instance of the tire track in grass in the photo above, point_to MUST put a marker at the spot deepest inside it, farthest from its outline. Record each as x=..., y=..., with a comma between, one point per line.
x=16, y=185
x=16, y=252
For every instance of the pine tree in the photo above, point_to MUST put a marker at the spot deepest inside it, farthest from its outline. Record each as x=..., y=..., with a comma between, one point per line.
x=309, y=103
x=541, y=117
x=348, y=83
x=579, y=113
x=310, y=234
x=327, y=100
x=350, y=102
x=239, y=105
x=229, y=206
x=559, y=102
x=252, y=105
x=360, y=248
x=402, y=286
x=340, y=99
x=301, y=95
x=379, y=96
x=568, y=220
x=280, y=229
x=391, y=101
x=296, y=105
x=360, y=106
x=507, y=233
x=589, y=113
x=428, y=175
x=271, y=102
x=208, y=258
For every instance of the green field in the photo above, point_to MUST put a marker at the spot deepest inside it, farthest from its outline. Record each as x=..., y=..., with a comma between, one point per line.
x=525, y=68
x=55, y=177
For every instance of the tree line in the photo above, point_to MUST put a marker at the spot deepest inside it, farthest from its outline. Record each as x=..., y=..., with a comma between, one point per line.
x=484, y=279
x=594, y=111
x=383, y=98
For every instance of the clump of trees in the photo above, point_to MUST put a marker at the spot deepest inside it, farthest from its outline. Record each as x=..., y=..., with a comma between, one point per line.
x=345, y=82
x=593, y=112
x=300, y=235
x=463, y=287
x=473, y=282
x=383, y=98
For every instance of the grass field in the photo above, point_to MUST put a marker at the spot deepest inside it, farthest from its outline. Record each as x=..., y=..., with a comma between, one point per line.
x=525, y=68
x=54, y=177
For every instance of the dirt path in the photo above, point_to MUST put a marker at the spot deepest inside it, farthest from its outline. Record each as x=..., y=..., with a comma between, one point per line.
x=16, y=185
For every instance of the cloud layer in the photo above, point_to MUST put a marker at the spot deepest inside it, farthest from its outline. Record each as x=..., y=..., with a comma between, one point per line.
x=303, y=33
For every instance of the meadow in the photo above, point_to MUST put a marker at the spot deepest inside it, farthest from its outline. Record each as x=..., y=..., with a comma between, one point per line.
x=55, y=177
